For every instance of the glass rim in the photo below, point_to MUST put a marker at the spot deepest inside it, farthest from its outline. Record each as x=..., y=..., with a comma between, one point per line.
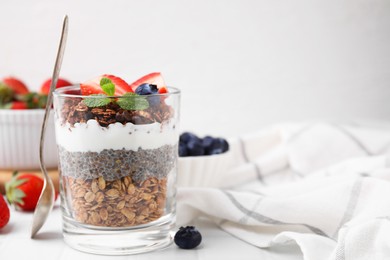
x=60, y=92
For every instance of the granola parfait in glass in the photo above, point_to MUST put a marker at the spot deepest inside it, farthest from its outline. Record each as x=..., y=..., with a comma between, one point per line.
x=118, y=148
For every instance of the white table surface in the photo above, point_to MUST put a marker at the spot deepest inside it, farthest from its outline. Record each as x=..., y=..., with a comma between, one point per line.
x=15, y=243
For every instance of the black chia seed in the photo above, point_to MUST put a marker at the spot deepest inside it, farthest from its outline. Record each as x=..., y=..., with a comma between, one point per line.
x=115, y=164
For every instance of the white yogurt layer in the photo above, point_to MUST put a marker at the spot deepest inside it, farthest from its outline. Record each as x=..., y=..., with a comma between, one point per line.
x=91, y=137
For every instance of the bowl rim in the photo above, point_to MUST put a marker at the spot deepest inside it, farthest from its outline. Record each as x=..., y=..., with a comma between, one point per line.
x=22, y=111
x=204, y=157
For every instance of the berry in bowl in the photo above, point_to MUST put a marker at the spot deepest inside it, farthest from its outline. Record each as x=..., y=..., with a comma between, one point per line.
x=21, y=116
x=203, y=161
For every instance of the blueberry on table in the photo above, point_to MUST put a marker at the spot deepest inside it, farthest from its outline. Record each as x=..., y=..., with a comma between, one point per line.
x=188, y=237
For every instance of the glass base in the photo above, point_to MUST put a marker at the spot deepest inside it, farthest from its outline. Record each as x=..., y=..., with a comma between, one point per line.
x=119, y=241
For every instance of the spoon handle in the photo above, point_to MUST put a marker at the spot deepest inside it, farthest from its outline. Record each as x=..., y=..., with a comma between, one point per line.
x=46, y=199
x=54, y=80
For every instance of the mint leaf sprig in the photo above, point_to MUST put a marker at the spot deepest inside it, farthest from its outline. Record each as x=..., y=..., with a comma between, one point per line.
x=129, y=101
x=107, y=86
x=97, y=100
x=132, y=101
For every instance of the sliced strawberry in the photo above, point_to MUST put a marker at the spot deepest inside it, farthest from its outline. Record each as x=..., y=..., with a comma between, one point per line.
x=18, y=105
x=16, y=85
x=162, y=90
x=73, y=92
x=154, y=78
x=45, y=87
x=121, y=86
x=93, y=86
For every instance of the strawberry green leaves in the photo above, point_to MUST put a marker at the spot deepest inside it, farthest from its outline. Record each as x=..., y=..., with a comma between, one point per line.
x=13, y=194
x=128, y=101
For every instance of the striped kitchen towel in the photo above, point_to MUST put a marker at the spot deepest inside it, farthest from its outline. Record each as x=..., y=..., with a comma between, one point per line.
x=323, y=186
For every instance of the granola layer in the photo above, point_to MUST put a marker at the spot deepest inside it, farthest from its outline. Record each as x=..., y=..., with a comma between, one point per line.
x=75, y=111
x=120, y=203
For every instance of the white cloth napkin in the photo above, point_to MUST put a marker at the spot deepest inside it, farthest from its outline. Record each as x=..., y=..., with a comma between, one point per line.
x=323, y=186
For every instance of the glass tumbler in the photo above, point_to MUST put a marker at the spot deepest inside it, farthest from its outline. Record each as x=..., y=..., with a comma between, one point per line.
x=118, y=167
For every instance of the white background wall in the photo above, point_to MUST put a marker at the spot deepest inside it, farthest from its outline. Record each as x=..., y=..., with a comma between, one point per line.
x=241, y=64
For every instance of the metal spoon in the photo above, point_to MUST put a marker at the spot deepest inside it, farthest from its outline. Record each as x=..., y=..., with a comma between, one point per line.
x=46, y=199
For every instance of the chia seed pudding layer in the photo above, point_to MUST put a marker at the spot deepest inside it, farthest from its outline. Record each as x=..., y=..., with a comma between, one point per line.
x=115, y=164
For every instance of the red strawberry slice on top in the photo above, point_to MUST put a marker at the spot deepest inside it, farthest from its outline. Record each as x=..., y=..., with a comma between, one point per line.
x=162, y=90
x=154, y=78
x=93, y=86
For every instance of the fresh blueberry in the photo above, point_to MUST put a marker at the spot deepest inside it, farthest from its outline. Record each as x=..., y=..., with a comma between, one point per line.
x=225, y=146
x=183, y=150
x=207, y=141
x=218, y=146
x=149, y=89
x=188, y=237
x=195, y=147
x=208, y=145
x=187, y=136
x=146, y=89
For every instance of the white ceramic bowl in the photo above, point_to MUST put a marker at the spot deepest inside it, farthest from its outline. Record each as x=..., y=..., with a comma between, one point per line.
x=20, y=132
x=204, y=171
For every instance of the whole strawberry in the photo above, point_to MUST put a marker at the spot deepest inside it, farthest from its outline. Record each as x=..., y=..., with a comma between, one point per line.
x=6, y=94
x=4, y=212
x=16, y=85
x=23, y=191
x=17, y=105
x=45, y=87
